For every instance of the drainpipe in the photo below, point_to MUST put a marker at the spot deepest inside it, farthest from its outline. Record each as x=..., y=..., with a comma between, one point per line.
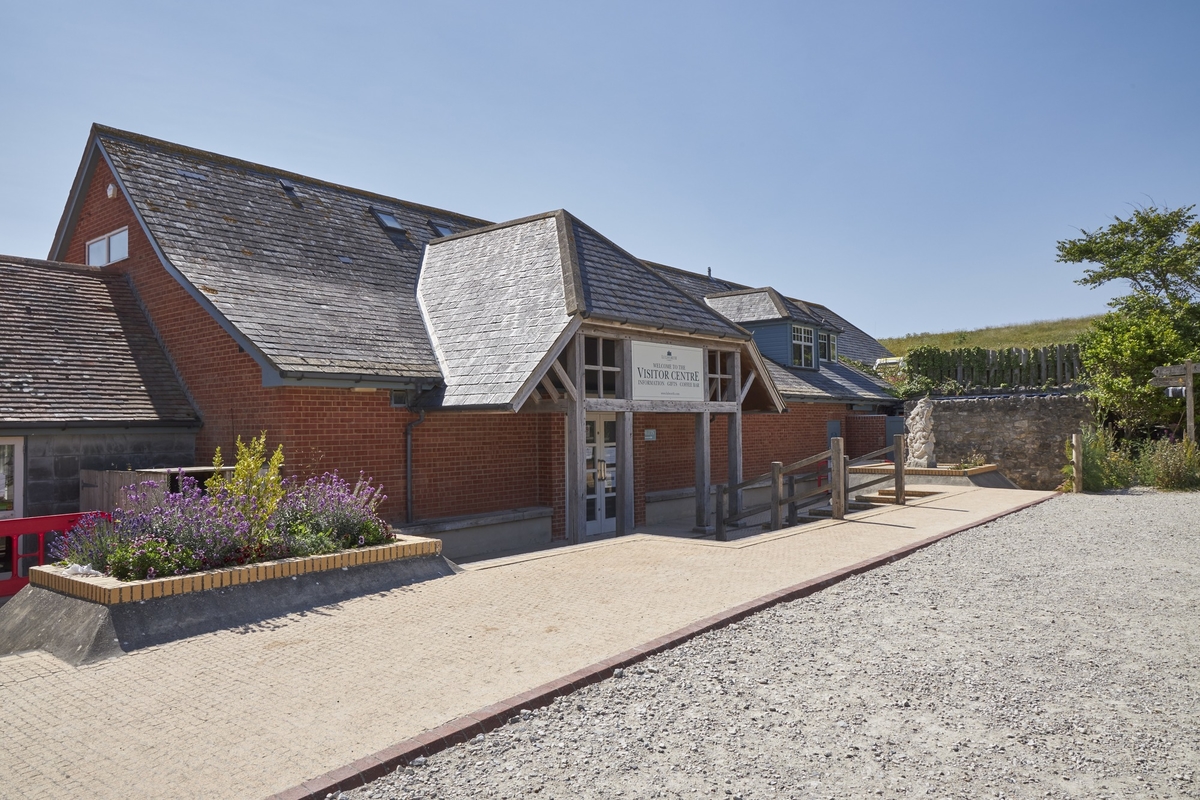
x=408, y=465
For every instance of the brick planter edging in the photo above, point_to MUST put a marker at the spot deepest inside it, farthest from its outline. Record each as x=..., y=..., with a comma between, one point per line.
x=463, y=729
x=110, y=591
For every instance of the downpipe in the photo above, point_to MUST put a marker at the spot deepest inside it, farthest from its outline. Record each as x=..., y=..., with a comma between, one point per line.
x=408, y=465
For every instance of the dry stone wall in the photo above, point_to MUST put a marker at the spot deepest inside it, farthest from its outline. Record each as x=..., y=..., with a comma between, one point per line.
x=1024, y=436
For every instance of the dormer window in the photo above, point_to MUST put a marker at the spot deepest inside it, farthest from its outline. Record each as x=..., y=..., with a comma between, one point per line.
x=802, y=347
x=108, y=248
x=828, y=346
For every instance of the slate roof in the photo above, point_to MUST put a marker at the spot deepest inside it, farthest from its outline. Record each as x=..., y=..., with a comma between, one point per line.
x=760, y=305
x=496, y=299
x=853, y=342
x=495, y=305
x=833, y=382
x=76, y=348
x=308, y=277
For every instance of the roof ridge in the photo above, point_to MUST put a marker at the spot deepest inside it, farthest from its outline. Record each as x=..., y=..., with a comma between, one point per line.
x=63, y=265
x=492, y=227
x=253, y=166
x=642, y=265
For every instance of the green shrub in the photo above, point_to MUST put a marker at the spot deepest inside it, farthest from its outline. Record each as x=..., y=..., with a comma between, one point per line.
x=1106, y=465
x=149, y=558
x=1169, y=465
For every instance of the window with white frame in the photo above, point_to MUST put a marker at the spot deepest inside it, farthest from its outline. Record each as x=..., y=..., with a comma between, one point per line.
x=802, y=347
x=108, y=248
x=828, y=346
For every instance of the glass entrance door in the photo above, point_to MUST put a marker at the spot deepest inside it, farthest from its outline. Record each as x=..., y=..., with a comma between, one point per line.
x=600, y=452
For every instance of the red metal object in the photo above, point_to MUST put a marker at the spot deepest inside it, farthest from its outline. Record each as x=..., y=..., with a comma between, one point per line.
x=23, y=544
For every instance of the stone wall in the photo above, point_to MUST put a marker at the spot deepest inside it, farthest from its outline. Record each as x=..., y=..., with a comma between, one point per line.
x=1024, y=436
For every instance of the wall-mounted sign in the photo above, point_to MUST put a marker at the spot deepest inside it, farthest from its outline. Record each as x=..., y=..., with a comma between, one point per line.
x=667, y=372
x=650, y=434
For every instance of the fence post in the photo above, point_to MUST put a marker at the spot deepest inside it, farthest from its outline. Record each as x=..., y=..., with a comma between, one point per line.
x=1189, y=386
x=899, y=456
x=1077, y=459
x=837, y=477
x=776, y=494
x=792, y=520
x=721, y=537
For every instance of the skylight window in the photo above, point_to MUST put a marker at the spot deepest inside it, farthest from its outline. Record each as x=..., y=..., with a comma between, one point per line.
x=196, y=176
x=288, y=187
x=388, y=221
x=441, y=228
x=108, y=248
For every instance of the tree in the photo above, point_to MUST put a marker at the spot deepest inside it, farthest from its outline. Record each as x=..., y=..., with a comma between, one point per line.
x=1158, y=253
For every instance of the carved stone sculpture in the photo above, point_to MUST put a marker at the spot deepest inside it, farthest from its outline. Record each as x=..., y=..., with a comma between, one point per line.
x=920, y=440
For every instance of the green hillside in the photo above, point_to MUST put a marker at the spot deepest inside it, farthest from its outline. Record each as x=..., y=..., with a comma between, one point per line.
x=1030, y=334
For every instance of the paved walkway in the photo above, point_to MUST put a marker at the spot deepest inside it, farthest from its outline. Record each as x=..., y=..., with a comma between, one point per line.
x=250, y=712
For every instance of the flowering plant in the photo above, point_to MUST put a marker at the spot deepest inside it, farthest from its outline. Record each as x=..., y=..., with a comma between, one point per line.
x=158, y=533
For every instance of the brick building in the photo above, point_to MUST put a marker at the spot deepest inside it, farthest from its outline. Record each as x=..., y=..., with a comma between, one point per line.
x=507, y=383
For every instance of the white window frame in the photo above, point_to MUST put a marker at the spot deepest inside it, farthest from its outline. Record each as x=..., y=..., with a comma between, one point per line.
x=829, y=345
x=18, y=509
x=804, y=337
x=107, y=239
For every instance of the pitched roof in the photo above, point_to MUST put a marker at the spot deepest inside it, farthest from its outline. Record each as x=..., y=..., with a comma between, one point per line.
x=853, y=342
x=836, y=382
x=76, y=348
x=498, y=301
x=759, y=305
x=495, y=305
x=308, y=276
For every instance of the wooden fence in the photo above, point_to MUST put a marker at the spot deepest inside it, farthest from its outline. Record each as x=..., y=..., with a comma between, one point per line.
x=832, y=462
x=1058, y=365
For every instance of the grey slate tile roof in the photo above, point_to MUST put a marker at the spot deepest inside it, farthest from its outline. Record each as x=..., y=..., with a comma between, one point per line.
x=759, y=305
x=832, y=382
x=495, y=305
x=76, y=348
x=617, y=286
x=496, y=299
x=310, y=278
x=853, y=342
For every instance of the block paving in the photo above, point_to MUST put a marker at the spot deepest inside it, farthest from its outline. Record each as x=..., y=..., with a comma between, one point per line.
x=258, y=710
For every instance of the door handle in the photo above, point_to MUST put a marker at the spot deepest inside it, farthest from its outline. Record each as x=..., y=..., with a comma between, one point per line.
x=602, y=470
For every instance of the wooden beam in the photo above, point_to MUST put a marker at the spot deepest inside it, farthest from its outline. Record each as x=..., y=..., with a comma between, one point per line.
x=1189, y=388
x=576, y=458
x=548, y=385
x=660, y=406
x=741, y=398
x=734, y=436
x=703, y=468
x=567, y=383
x=625, y=509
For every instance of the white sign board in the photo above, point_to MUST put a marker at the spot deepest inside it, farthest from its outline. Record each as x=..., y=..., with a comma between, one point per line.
x=667, y=372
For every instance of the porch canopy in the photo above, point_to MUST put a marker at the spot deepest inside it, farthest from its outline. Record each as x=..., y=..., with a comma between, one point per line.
x=543, y=314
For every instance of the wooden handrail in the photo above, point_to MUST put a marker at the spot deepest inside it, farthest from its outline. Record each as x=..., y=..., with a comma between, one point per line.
x=875, y=454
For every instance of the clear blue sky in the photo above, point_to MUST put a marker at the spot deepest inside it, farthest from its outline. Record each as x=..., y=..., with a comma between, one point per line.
x=910, y=164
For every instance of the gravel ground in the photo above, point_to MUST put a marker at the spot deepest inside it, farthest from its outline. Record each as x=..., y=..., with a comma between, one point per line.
x=1050, y=654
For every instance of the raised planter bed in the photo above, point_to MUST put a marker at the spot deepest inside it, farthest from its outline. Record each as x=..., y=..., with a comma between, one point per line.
x=110, y=591
x=85, y=619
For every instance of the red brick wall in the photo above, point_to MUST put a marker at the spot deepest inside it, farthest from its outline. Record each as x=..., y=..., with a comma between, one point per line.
x=463, y=463
x=865, y=433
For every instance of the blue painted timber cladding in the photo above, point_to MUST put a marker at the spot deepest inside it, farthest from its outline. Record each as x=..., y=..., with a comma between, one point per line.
x=774, y=340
